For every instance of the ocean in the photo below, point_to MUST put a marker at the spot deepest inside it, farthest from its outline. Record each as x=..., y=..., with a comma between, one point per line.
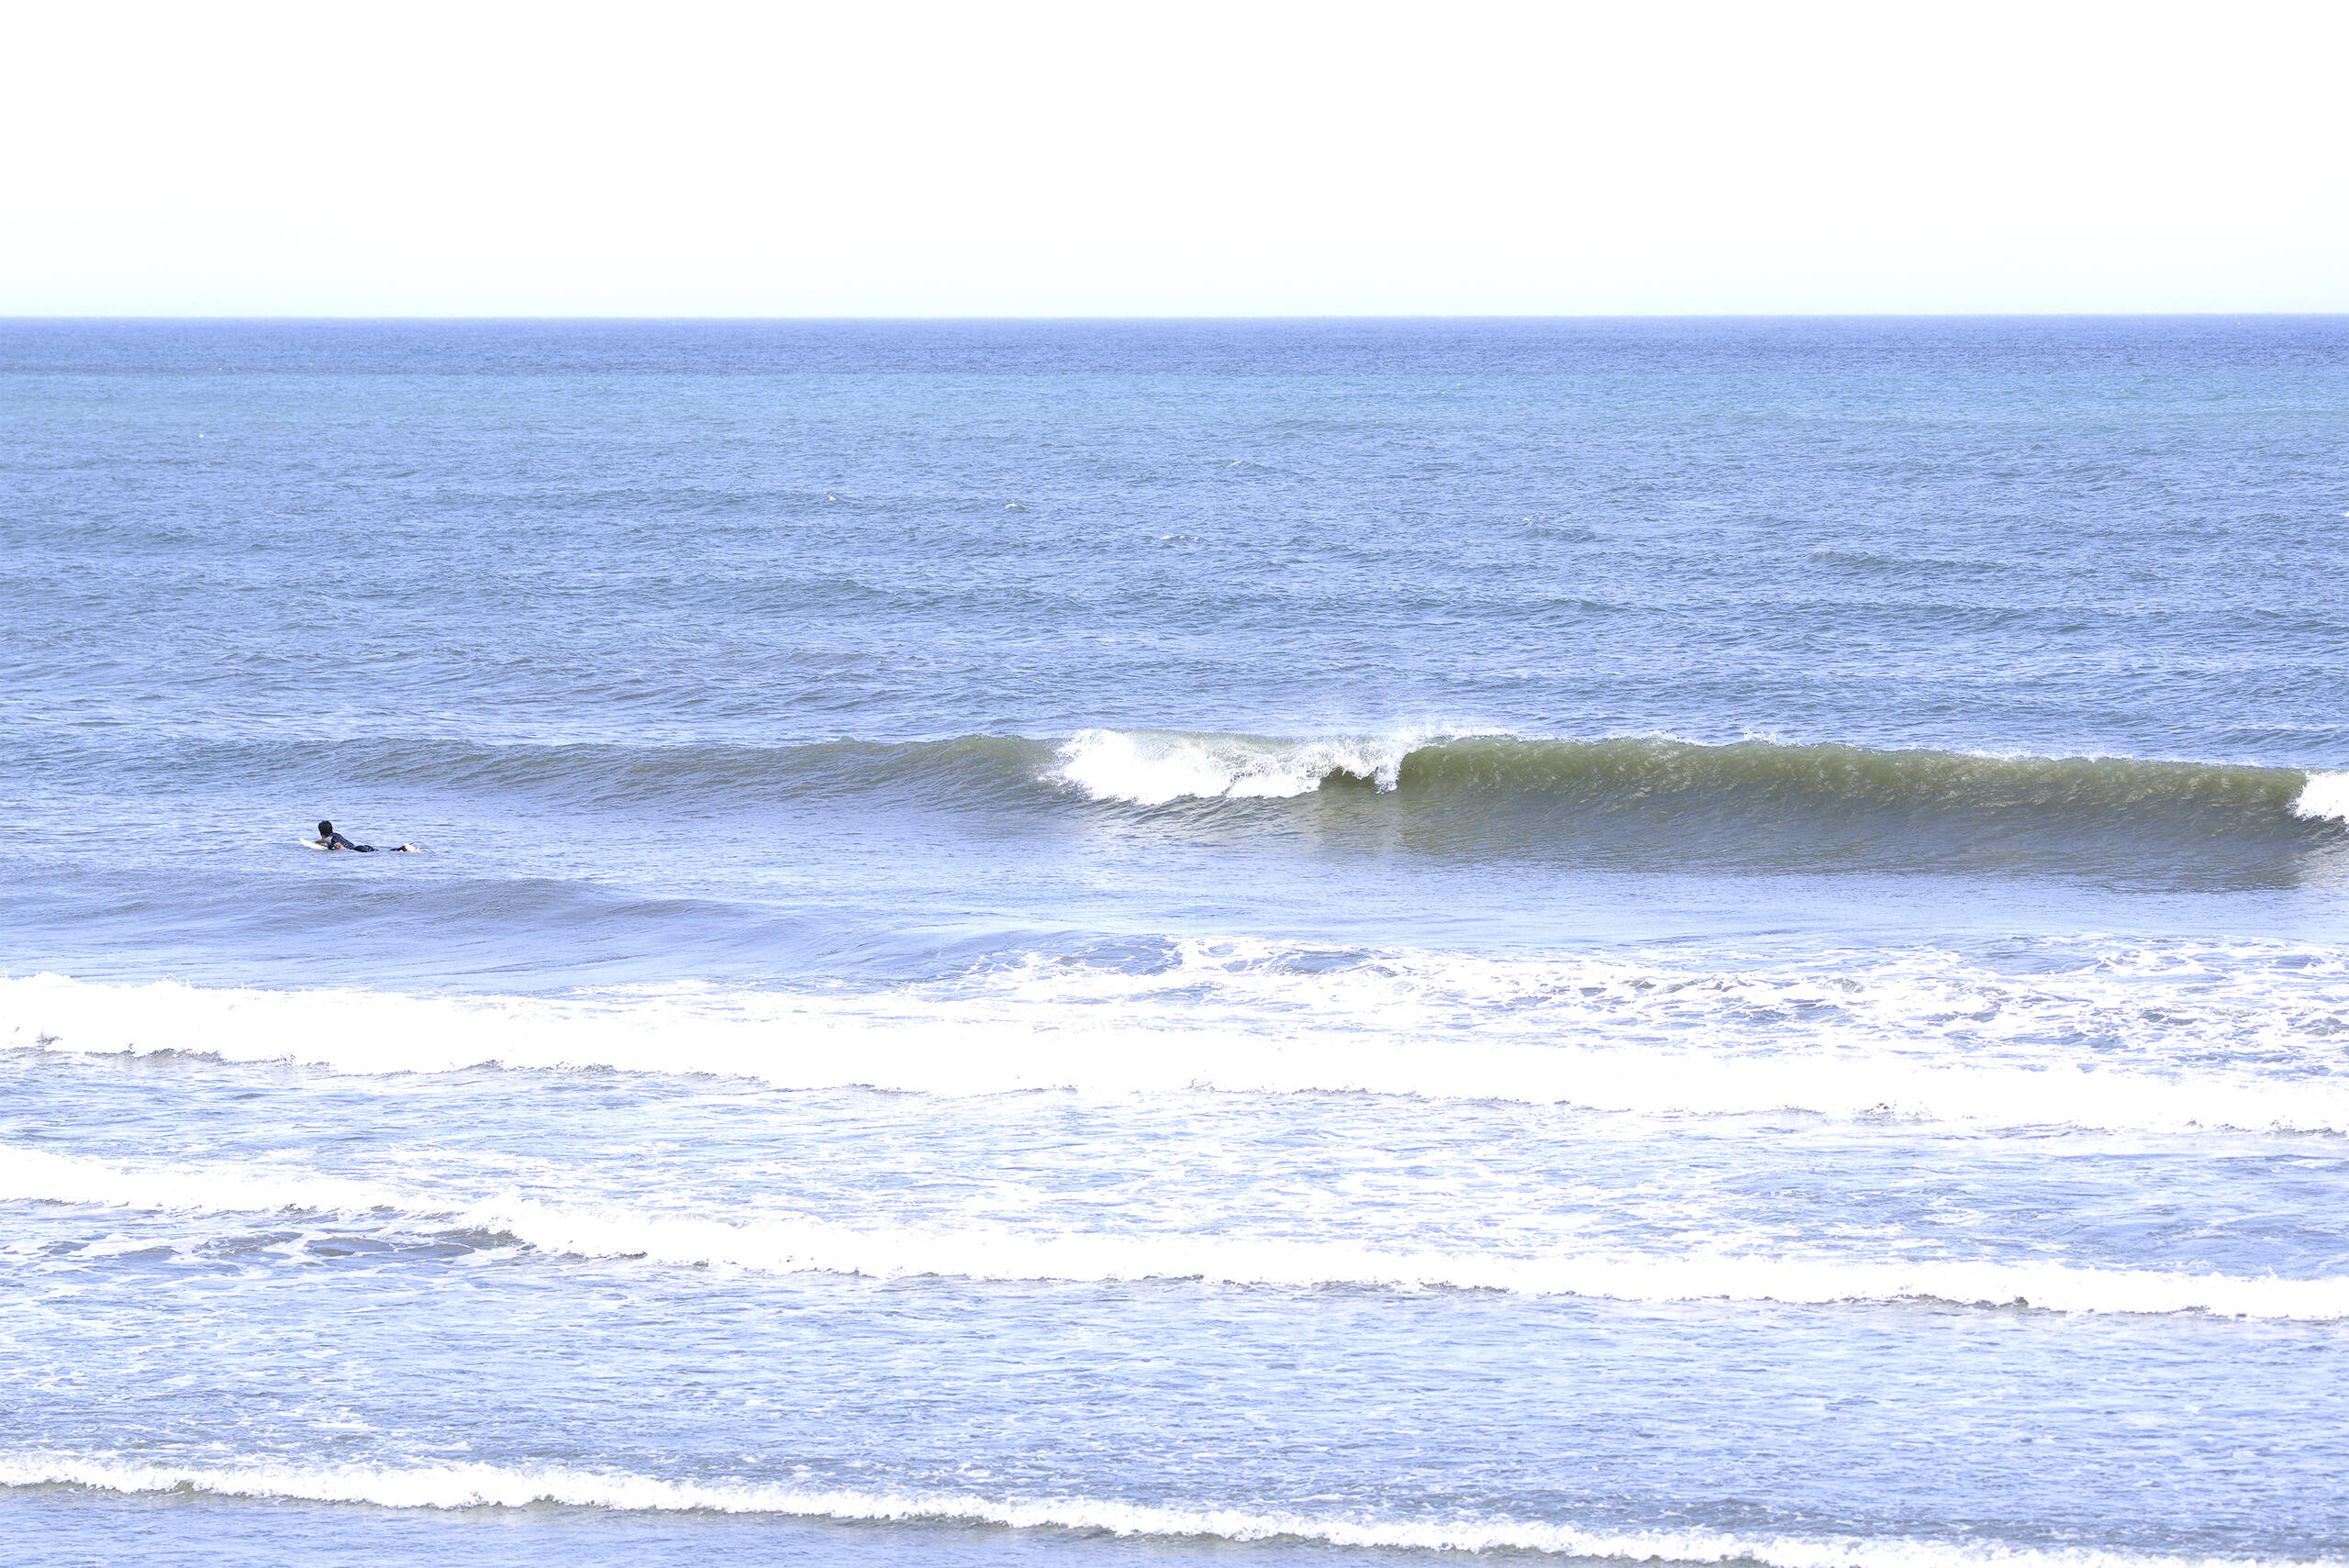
x=1323, y=942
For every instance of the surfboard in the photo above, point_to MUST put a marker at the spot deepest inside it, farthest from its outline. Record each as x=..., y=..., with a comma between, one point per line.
x=309, y=843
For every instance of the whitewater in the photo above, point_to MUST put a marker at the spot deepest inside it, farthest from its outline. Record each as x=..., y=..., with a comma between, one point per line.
x=1337, y=943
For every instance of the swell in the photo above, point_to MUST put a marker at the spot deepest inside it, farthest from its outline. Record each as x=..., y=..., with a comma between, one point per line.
x=590, y=775
x=1831, y=779
x=799, y=1245
x=1622, y=773
x=483, y=1485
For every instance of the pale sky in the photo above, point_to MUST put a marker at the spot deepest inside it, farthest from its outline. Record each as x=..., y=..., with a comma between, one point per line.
x=1018, y=159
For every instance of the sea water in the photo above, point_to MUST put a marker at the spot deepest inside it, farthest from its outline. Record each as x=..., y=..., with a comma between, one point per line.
x=1157, y=943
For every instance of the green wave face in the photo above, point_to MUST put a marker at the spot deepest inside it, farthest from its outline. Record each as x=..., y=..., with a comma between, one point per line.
x=1645, y=802
x=1836, y=780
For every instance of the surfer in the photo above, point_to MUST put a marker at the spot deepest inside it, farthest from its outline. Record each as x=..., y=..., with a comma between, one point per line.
x=329, y=840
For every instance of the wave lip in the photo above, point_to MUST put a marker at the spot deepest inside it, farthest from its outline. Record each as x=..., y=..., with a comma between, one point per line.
x=1154, y=767
x=2325, y=798
x=989, y=1252
x=481, y=1486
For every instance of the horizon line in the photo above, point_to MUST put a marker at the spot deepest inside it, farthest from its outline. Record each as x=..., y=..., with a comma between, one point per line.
x=1396, y=316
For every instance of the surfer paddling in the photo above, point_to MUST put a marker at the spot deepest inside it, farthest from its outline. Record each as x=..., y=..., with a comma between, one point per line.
x=328, y=839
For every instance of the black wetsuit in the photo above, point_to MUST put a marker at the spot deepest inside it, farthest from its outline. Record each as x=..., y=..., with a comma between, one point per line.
x=337, y=841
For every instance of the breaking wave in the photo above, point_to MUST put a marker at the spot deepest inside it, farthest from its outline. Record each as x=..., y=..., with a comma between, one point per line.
x=995, y=1252
x=1643, y=774
x=1626, y=776
x=2325, y=798
x=480, y=1486
x=1148, y=769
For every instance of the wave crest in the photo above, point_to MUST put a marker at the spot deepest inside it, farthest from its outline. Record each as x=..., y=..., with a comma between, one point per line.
x=479, y=1485
x=796, y=1245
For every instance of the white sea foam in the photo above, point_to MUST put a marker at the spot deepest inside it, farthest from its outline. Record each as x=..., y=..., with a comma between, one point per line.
x=2325, y=796
x=1152, y=768
x=995, y=1252
x=795, y=1247
x=40, y=1177
x=480, y=1486
x=1920, y=1037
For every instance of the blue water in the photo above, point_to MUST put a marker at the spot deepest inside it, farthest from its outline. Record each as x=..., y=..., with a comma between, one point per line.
x=1315, y=942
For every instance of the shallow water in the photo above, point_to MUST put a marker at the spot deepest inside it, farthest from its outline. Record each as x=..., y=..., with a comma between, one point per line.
x=1278, y=942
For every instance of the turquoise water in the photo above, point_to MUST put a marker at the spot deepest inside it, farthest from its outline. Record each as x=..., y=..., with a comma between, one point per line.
x=1117, y=941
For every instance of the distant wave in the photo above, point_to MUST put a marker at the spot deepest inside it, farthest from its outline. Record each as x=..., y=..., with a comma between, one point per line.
x=1907, y=1037
x=992, y=1252
x=477, y=1485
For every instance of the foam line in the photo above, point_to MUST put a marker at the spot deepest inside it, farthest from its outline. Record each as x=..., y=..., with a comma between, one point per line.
x=1916, y=1046
x=887, y=1252
x=497, y=1486
x=810, y=1246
